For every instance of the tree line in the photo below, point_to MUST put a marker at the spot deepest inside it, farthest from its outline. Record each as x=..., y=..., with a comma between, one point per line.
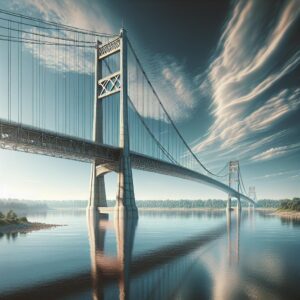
x=27, y=205
x=293, y=204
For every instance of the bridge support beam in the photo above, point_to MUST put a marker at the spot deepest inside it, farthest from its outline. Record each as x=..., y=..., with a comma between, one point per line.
x=97, y=190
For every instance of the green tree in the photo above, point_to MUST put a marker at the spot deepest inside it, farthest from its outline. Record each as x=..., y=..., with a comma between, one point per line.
x=11, y=215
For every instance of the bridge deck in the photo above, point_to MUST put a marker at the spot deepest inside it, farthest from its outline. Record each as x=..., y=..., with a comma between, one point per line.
x=39, y=141
x=28, y=139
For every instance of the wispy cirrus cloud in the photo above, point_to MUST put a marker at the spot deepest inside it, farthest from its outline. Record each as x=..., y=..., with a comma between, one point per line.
x=250, y=61
x=72, y=13
x=68, y=12
x=177, y=89
x=290, y=174
x=276, y=152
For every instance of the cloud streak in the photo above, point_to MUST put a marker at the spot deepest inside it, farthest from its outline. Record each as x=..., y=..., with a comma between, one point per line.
x=276, y=152
x=249, y=63
x=69, y=58
x=177, y=89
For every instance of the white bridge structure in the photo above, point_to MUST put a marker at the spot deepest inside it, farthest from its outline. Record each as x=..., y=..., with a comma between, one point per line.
x=82, y=95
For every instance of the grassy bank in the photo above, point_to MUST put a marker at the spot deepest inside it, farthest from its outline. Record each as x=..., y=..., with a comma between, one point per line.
x=11, y=223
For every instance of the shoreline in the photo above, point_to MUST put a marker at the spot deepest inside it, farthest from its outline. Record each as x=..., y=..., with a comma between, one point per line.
x=26, y=227
x=287, y=214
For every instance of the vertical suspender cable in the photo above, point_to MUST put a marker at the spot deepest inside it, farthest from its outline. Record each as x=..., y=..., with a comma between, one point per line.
x=9, y=71
x=19, y=81
x=58, y=80
x=55, y=84
x=21, y=75
x=32, y=86
x=39, y=79
x=84, y=96
x=65, y=90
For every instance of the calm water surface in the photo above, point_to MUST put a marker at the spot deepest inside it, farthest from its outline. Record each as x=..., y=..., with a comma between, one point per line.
x=160, y=255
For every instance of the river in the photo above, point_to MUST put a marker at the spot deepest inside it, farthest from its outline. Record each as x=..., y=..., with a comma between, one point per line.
x=160, y=255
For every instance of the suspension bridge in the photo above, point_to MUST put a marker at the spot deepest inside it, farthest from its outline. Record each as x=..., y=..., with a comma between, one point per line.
x=83, y=95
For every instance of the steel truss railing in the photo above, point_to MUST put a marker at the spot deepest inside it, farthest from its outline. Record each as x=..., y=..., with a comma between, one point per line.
x=28, y=139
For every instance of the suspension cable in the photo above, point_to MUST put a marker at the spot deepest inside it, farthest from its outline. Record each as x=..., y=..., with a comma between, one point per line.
x=56, y=24
x=167, y=114
x=152, y=135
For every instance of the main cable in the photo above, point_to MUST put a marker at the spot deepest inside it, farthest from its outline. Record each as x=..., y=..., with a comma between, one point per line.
x=167, y=114
x=56, y=24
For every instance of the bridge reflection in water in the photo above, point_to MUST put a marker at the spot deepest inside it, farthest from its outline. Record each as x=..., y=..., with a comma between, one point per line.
x=161, y=273
x=157, y=274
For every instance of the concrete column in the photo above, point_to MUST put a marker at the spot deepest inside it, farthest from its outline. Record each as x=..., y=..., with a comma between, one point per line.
x=97, y=190
x=238, y=204
x=228, y=203
x=228, y=221
x=237, y=242
x=125, y=195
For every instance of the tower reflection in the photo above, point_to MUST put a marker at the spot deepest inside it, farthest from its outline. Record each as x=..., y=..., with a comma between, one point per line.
x=106, y=268
x=158, y=273
x=233, y=238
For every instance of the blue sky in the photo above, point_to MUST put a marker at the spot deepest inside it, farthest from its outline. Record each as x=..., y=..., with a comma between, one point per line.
x=228, y=72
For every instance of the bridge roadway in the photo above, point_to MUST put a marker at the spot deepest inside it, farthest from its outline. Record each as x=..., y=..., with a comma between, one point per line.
x=29, y=139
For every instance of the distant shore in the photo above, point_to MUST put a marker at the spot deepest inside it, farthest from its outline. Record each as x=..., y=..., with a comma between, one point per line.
x=287, y=214
x=25, y=227
x=283, y=213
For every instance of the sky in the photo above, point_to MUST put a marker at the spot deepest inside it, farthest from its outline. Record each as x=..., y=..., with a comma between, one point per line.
x=227, y=71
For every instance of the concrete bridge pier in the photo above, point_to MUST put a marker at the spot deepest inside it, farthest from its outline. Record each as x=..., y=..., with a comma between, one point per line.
x=238, y=205
x=97, y=190
x=228, y=207
x=125, y=203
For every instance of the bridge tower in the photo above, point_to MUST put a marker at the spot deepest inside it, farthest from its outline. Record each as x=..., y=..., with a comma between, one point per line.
x=252, y=194
x=114, y=83
x=234, y=181
x=97, y=185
